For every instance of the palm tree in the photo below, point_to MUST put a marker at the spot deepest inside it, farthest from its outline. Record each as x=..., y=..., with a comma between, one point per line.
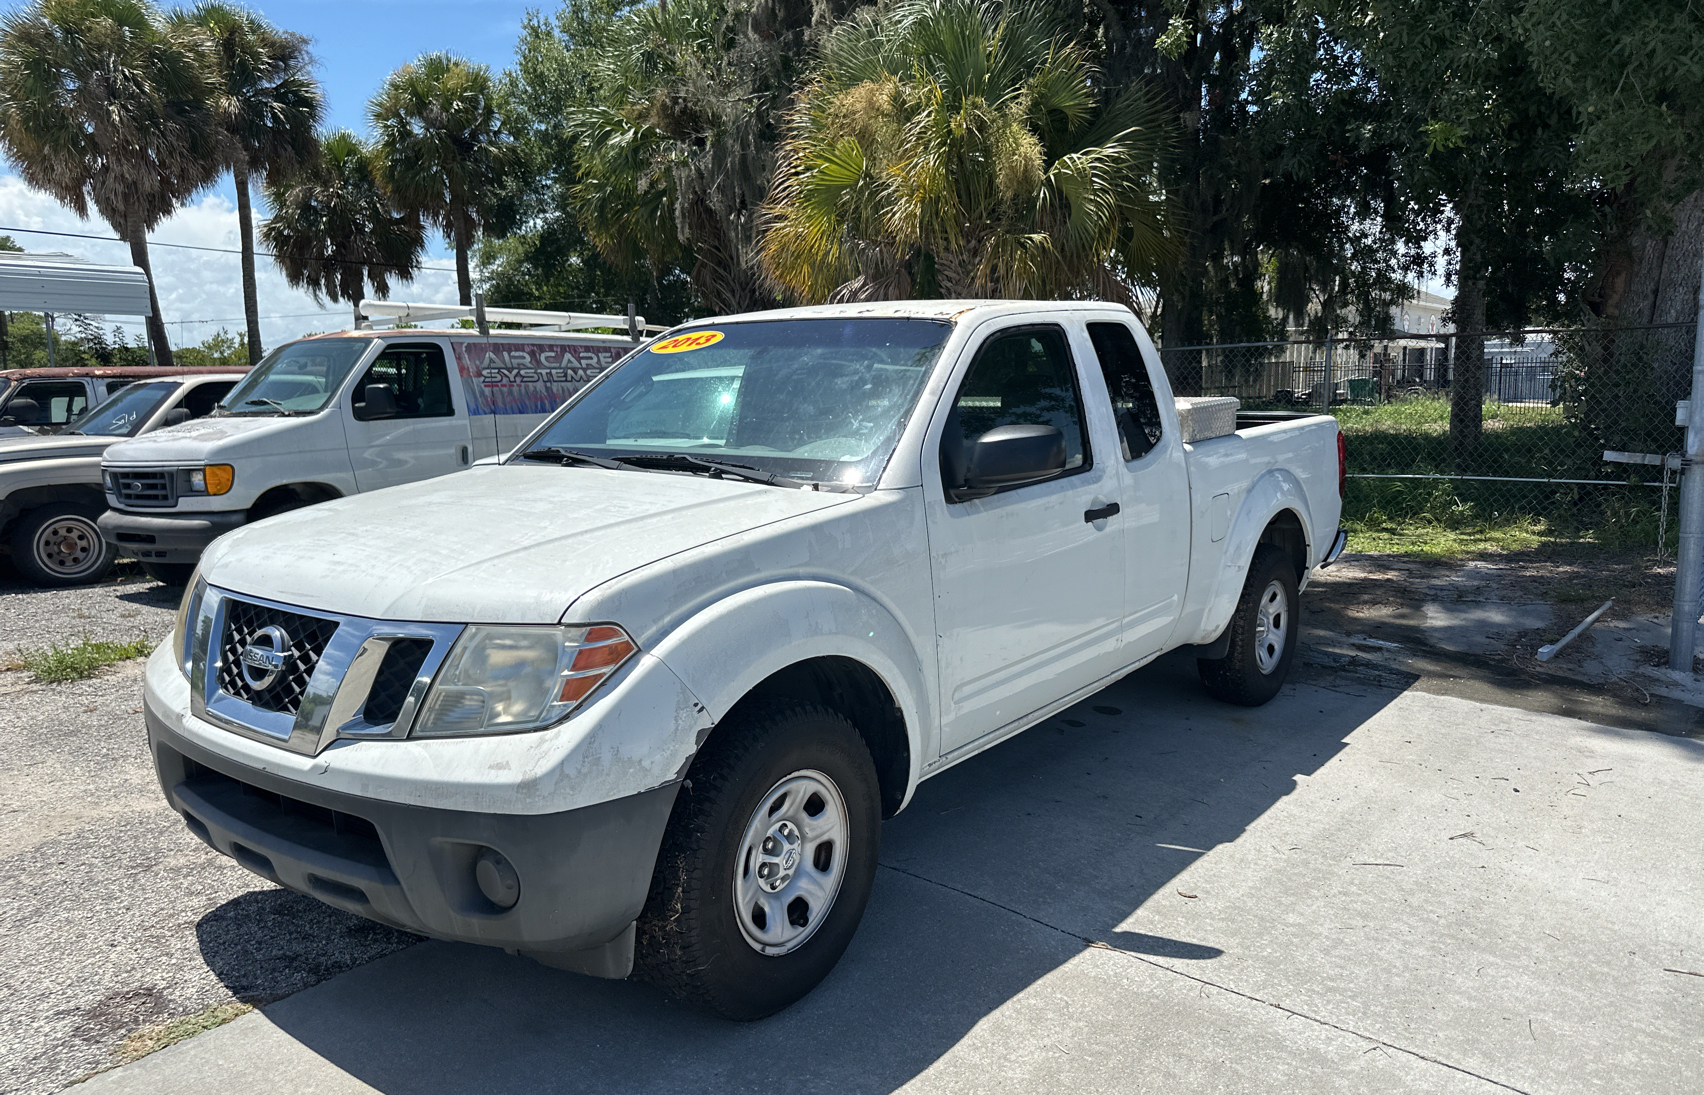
x=332, y=230
x=104, y=104
x=442, y=150
x=267, y=106
x=968, y=138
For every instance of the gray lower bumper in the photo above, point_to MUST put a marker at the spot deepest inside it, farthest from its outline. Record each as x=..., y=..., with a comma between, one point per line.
x=166, y=538
x=583, y=873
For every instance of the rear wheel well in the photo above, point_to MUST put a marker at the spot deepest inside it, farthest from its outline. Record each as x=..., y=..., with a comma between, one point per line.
x=1285, y=531
x=856, y=691
x=291, y=496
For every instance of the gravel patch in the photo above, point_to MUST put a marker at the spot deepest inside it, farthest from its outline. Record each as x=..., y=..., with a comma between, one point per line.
x=113, y=917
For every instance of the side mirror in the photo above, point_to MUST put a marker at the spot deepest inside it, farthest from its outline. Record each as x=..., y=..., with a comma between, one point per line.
x=1010, y=456
x=379, y=402
x=22, y=412
x=177, y=416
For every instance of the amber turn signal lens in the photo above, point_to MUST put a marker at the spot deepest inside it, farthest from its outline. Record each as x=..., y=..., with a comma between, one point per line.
x=575, y=689
x=601, y=657
x=219, y=478
x=603, y=634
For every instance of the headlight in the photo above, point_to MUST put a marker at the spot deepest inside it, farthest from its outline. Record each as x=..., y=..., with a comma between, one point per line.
x=209, y=479
x=183, y=630
x=504, y=679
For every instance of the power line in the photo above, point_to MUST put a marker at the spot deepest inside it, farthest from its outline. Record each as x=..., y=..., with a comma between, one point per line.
x=229, y=250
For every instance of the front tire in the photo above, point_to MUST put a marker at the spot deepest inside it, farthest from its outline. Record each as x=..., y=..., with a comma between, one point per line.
x=1263, y=634
x=766, y=864
x=59, y=545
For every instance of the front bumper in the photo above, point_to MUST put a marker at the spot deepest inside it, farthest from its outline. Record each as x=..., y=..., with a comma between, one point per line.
x=584, y=873
x=166, y=538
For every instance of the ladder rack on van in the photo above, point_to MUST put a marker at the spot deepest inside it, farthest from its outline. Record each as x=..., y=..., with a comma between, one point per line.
x=397, y=311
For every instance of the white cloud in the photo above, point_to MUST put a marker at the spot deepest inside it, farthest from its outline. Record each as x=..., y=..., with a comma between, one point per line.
x=200, y=291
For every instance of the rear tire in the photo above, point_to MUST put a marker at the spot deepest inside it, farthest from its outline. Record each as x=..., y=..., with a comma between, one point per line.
x=171, y=574
x=1263, y=634
x=59, y=545
x=780, y=812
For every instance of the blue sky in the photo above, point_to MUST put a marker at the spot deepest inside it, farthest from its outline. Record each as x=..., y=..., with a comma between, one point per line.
x=357, y=43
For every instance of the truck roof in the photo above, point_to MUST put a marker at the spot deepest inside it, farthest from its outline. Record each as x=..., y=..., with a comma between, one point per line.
x=915, y=309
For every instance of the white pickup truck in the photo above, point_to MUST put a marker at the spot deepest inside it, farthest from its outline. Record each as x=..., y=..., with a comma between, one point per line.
x=637, y=698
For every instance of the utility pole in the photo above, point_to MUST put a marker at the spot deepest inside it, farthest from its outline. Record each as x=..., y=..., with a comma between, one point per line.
x=48, y=316
x=1689, y=560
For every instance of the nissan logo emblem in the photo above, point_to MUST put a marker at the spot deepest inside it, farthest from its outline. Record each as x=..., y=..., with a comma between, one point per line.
x=263, y=658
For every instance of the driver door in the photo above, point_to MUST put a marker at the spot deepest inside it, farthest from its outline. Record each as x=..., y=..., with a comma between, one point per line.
x=428, y=435
x=1029, y=591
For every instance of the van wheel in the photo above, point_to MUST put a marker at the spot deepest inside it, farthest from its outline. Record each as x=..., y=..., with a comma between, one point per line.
x=60, y=544
x=170, y=574
x=1263, y=634
x=766, y=864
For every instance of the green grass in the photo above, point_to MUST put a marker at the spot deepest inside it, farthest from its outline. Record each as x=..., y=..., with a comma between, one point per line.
x=1455, y=518
x=152, y=1039
x=58, y=664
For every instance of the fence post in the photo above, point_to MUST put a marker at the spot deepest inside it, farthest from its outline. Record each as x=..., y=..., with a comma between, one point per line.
x=1689, y=560
x=1329, y=380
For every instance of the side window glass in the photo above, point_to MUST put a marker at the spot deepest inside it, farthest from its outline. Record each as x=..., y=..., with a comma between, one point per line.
x=202, y=398
x=59, y=401
x=1127, y=381
x=418, y=379
x=1019, y=378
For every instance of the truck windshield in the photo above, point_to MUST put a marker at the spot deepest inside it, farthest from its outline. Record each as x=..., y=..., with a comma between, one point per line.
x=820, y=400
x=297, y=378
x=124, y=412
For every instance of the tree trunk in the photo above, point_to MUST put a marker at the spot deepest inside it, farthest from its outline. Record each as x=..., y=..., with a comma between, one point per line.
x=245, y=223
x=138, y=240
x=1662, y=282
x=463, y=242
x=1467, y=375
x=355, y=301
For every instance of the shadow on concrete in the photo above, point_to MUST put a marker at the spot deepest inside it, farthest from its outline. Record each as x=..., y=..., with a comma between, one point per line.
x=1001, y=870
x=270, y=943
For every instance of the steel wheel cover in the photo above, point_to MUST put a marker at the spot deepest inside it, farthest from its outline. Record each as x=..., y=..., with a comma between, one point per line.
x=790, y=862
x=1271, y=627
x=69, y=546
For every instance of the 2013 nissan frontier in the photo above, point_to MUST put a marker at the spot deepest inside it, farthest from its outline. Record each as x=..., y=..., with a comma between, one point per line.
x=636, y=698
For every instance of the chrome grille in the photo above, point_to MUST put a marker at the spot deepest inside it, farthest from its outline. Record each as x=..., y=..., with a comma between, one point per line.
x=143, y=487
x=397, y=674
x=308, y=637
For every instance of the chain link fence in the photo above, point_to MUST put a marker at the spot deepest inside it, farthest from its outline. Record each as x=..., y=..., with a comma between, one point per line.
x=1494, y=439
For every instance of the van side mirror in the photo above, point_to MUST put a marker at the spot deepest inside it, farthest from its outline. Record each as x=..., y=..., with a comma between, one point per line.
x=22, y=412
x=378, y=402
x=177, y=416
x=1011, y=456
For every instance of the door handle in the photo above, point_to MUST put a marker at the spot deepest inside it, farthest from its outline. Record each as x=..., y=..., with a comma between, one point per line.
x=1090, y=516
x=462, y=454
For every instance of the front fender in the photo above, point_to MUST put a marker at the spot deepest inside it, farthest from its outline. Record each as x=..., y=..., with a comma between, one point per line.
x=57, y=472
x=1274, y=492
x=726, y=650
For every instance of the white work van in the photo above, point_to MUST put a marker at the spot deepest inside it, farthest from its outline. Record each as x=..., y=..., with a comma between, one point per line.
x=340, y=414
x=638, y=697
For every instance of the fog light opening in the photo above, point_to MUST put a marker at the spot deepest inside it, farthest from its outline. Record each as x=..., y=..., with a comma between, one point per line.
x=497, y=878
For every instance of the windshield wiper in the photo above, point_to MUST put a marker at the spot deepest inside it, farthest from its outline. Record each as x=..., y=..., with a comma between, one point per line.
x=268, y=402
x=569, y=456
x=716, y=469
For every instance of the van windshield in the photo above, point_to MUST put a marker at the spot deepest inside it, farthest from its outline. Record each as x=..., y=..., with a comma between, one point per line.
x=297, y=378
x=821, y=400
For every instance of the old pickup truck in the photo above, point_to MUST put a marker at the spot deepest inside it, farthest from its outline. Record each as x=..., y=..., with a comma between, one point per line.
x=636, y=697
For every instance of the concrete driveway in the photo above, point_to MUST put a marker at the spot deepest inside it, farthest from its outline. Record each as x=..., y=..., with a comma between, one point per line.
x=1352, y=889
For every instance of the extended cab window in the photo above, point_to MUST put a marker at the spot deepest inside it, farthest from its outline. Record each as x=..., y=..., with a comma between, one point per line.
x=59, y=401
x=418, y=379
x=1019, y=378
x=1132, y=391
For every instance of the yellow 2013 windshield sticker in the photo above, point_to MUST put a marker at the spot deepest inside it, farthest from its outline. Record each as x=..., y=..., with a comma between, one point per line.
x=692, y=340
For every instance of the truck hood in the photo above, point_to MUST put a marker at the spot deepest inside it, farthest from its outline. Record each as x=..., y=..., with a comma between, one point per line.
x=490, y=545
x=191, y=442
x=34, y=447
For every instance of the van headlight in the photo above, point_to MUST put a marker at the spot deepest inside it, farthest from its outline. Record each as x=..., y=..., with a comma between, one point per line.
x=505, y=679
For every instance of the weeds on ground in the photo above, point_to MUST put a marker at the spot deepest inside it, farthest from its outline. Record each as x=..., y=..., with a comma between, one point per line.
x=59, y=664
x=150, y=1039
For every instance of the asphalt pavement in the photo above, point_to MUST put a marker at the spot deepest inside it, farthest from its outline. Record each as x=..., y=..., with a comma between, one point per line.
x=1363, y=886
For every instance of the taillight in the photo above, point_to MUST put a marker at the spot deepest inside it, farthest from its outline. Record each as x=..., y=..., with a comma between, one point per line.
x=1342, y=466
